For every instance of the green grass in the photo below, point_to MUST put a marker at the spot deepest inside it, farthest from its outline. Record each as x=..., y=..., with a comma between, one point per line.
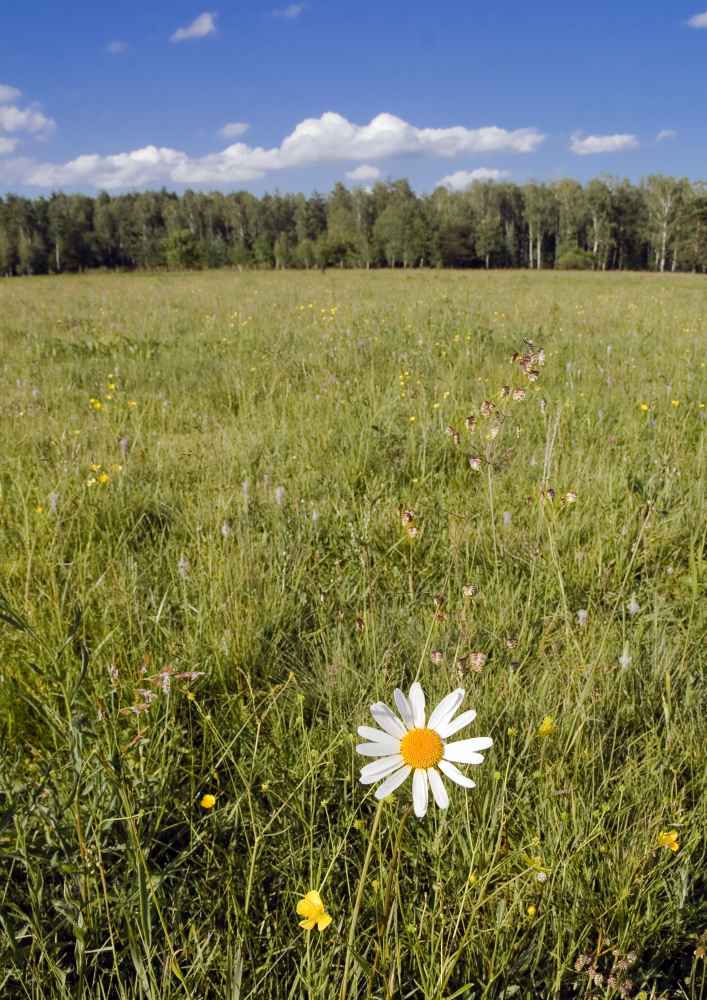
x=338, y=388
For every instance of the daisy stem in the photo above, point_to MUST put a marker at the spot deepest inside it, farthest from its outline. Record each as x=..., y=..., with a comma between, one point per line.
x=388, y=904
x=359, y=897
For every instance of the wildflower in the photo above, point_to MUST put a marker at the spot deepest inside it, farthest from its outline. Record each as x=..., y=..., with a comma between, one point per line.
x=477, y=661
x=410, y=745
x=669, y=838
x=541, y=877
x=547, y=727
x=505, y=391
x=487, y=408
x=312, y=909
x=582, y=616
x=469, y=590
x=531, y=911
x=437, y=657
x=625, y=658
x=103, y=479
x=132, y=404
x=633, y=607
x=95, y=404
x=39, y=509
x=675, y=403
x=519, y=395
x=407, y=517
x=570, y=497
x=208, y=801
x=645, y=407
x=474, y=462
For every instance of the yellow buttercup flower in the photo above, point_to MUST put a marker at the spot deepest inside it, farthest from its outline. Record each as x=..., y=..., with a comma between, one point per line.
x=104, y=479
x=675, y=402
x=312, y=909
x=547, y=727
x=532, y=910
x=645, y=407
x=208, y=801
x=669, y=838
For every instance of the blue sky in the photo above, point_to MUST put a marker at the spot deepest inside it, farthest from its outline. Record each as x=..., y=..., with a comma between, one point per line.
x=136, y=95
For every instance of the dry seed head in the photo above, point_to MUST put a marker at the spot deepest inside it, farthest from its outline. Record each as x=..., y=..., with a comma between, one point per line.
x=470, y=422
x=474, y=462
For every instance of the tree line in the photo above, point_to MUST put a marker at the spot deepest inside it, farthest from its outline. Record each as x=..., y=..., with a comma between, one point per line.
x=606, y=224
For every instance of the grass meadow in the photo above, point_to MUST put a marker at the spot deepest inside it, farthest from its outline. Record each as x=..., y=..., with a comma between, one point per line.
x=208, y=575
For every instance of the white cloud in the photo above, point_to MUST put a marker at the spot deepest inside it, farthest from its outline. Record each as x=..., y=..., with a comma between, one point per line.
x=665, y=133
x=463, y=178
x=364, y=173
x=7, y=146
x=290, y=12
x=8, y=94
x=117, y=48
x=699, y=20
x=585, y=145
x=231, y=130
x=14, y=119
x=200, y=27
x=328, y=139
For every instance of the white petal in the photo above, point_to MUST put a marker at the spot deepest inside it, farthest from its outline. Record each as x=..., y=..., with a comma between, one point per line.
x=371, y=773
x=466, y=751
x=388, y=720
x=392, y=782
x=404, y=707
x=438, y=789
x=417, y=702
x=376, y=735
x=454, y=725
x=378, y=749
x=419, y=792
x=454, y=774
x=446, y=709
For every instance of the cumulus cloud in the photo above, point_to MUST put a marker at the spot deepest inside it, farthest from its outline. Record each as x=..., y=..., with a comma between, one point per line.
x=290, y=12
x=330, y=138
x=117, y=48
x=8, y=94
x=586, y=145
x=463, y=178
x=364, y=173
x=699, y=20
x=7, y=146
x=231, y=130
x=200, y=27
x=665, y=133
x=14, y=119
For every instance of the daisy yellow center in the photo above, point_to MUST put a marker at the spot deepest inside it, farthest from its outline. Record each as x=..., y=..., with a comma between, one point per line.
x=422, y=748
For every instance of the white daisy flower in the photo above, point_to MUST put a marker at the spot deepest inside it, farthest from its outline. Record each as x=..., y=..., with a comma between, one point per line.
x=407, y=743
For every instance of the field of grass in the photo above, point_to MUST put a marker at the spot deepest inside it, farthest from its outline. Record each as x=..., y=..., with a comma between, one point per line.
x=207, y=576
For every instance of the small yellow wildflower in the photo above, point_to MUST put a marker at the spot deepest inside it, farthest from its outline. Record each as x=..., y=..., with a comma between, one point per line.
x=532, y=910
x=412, y=419
x=208, y=801
x=547, y=727
x=675, y=402
x=645, y=407
x=132, y=404
x=95, y=466
x=312, y=909
x=39, y=508
x=95, y=404
x=669, y=838
x=104, y=479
